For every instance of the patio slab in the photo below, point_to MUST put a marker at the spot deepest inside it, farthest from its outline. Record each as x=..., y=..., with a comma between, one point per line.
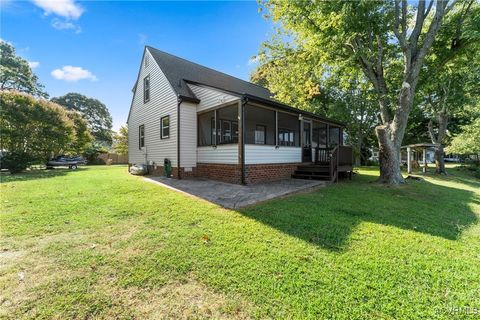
x=235, y=196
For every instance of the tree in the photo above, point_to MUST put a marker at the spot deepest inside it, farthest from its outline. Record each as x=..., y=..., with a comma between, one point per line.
x=83, y=137
x=451, y=75
x=94, y=111
x=32, y=130
x=16, y=74
x=467, y=142
x=298, y=80
x=387, y=40
x=120, y=141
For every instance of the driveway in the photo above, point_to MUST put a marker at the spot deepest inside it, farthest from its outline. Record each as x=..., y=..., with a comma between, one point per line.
x=235, y=196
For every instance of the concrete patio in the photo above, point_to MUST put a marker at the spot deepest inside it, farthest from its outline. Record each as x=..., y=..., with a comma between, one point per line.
x=235, y=196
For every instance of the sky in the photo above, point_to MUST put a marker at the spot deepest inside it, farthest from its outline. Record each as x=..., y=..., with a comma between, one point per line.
x=94, y=47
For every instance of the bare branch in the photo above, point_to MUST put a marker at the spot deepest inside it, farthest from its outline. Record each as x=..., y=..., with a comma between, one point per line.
x=429, y=8
x=417, y=29
x=400, y=34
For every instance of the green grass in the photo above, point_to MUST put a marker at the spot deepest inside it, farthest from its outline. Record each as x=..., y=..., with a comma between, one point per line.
x=99, y=243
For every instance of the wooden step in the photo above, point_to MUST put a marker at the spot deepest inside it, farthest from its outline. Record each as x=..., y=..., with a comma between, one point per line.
x=314, y=169
x=312, y=173
x=310, y=177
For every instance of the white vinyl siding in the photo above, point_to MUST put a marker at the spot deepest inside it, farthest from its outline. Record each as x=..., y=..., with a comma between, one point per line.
x=258, y=154
x=210, y=98
x=163, y=102
x=224, y=154
x=188, y=135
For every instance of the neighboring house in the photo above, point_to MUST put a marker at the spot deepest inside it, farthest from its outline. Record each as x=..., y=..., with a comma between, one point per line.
x=212, y=125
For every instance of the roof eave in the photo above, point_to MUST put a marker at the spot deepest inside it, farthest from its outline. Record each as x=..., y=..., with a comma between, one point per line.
x=291, y=109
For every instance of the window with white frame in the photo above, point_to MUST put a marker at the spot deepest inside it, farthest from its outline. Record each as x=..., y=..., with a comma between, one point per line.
x=260, y=134
x=286, y=137
x=146, y=89
x=165, y=127
x=141, y=136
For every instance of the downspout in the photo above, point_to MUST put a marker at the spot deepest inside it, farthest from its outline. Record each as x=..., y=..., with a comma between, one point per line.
x=179, y=101
x=241, y=143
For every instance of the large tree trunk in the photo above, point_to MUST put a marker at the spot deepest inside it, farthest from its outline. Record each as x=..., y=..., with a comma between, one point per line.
x=439, y=160
x=389, y=157
x=437, y=139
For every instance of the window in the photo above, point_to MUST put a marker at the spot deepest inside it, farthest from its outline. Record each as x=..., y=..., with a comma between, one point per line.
x=288, y=130
x=286, y=137
x=228, y=131
x=259, y=125
x=260, y=134
x=224, y=131
x=146, y=60
x=141, y=136
x=165, y=127
x=146, y=89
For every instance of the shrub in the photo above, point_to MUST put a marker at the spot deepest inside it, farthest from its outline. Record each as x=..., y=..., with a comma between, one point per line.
x=16, y=161
x=37, y=129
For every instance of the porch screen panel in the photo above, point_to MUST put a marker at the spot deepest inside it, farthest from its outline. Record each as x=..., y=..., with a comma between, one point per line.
x=227, y=124
x=334, y=136
x=259, y=125
x=206, y=129
x=288, y=130
x=319, y=139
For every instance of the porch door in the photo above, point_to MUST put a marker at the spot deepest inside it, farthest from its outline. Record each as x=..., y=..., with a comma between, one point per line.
x=307, y=141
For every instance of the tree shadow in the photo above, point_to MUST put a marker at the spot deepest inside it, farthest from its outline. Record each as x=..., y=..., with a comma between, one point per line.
x=37, y=174
x=328, y=216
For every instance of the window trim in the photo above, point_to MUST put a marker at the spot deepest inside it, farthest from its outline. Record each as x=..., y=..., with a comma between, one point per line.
x=145, y=100
x=162, y=127
x=264, y=134
x=141, y=136
x=288, y=132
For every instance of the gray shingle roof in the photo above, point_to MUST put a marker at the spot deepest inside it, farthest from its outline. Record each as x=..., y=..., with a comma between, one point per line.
x=178, y=70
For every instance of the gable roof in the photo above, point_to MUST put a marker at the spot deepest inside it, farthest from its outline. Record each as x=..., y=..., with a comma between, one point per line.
x=179, y=72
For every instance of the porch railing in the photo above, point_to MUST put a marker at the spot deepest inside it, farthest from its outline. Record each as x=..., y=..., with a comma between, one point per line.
x=322, y=155
x=340, y=156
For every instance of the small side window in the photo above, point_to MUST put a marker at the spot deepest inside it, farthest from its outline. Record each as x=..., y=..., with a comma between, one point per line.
x=141, y=136
x=146, y=60
x=146, y=89
x=165, y=127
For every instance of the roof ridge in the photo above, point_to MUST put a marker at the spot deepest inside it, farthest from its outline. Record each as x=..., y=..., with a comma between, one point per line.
x=205, y=67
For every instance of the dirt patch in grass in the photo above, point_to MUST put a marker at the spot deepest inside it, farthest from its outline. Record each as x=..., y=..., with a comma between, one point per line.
x=187, y=299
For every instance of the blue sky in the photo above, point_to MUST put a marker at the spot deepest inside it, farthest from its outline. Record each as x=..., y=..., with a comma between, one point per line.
x=95, y=47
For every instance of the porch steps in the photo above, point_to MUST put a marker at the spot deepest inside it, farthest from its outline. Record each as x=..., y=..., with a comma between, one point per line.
x=312, y=172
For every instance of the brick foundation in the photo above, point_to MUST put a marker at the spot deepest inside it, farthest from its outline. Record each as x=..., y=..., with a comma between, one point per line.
x=231, y=173
x=257, y=173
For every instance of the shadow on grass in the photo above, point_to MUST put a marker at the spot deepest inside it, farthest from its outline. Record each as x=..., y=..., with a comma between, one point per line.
x=37, y=174
x=328, y=217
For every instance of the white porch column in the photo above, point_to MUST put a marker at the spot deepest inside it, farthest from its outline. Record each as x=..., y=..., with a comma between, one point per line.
x=409, y=160
x=424, y=160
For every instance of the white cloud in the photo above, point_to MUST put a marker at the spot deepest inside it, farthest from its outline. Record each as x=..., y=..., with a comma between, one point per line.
x=33, y=64
x=65, y=25
x=64, y=8
x=72, y=74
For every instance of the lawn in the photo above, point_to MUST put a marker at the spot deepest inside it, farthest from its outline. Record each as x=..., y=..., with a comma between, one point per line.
x=99, y=243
